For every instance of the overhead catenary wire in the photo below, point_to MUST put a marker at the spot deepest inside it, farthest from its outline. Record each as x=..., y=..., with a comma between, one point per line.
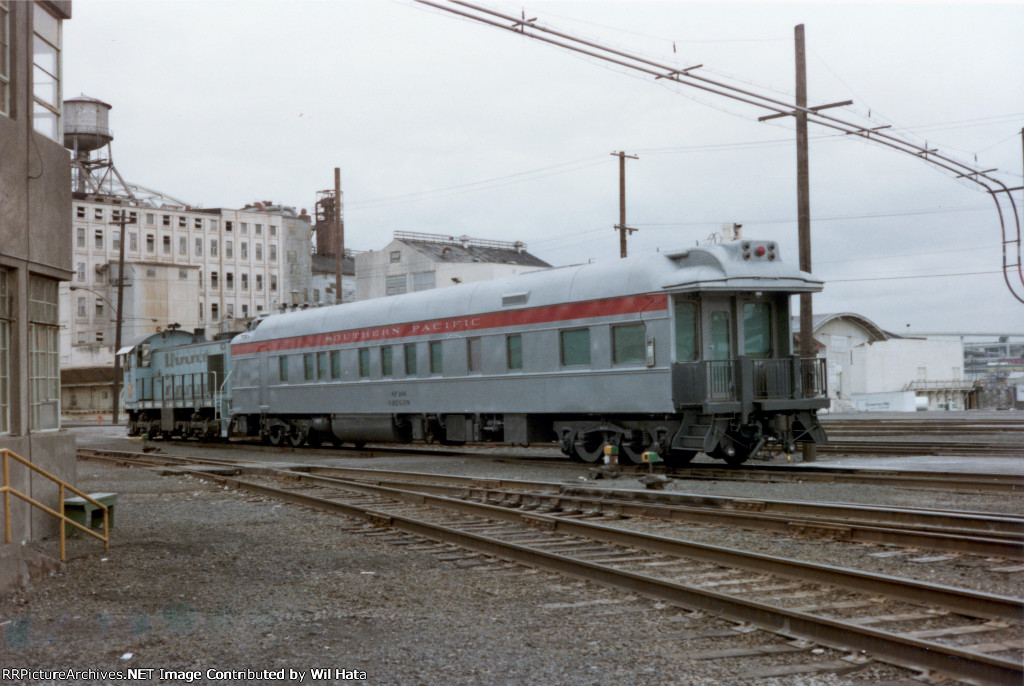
x=1013, y=257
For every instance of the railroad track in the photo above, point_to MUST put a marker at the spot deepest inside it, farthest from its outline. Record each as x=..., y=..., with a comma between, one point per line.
x=975, y=637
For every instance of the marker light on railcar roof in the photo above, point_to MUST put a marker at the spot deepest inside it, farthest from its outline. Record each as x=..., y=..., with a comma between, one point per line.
x=746, y=255
x=760, y=251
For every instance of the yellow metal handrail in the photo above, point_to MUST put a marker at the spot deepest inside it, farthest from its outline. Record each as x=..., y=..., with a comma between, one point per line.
x=9, y=490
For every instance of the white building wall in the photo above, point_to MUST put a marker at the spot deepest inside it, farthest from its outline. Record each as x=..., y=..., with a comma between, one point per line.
x=375, y=266
x=839, y=337
x=887, y=366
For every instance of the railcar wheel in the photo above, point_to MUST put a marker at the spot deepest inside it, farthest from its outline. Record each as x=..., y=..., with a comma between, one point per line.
x=590, y=448
x=276, y=435
x=633, y=449
x=296, y=438
x=740, y=455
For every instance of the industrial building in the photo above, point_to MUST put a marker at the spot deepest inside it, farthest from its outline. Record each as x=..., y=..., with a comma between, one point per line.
x=415, y=261
x=870, y=369
x=35, y=257
x=207, y=269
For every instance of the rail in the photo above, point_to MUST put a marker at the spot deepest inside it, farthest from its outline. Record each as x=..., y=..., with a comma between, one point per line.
x=62, y=486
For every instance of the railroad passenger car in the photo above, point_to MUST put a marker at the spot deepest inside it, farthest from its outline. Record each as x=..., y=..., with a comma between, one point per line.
x=675, y=352
x=177, y=383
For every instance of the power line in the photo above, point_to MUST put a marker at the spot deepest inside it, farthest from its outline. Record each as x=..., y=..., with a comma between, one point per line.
x=922, y=276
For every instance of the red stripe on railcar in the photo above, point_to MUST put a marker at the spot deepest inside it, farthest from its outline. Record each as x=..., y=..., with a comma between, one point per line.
x=491, y=320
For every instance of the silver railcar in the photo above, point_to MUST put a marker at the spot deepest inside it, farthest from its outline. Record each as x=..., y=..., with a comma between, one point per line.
x=675, y=352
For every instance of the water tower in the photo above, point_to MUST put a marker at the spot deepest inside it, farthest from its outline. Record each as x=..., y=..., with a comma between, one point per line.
x=85, y=131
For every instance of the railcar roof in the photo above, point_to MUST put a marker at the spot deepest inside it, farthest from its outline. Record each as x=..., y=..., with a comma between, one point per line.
x=717, y=268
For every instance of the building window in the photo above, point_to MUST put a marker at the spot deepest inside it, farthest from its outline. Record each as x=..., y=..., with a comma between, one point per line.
x=229, y=249
x=115, y=240
x=229, y=310
x=396, y=256
x=245, y=282
x=514, y=351
x=183, y=245
x=167, y=220
x=228, y=225
x=98, y=240
x=99, y=309
x=167, y=245
x=44, y=354
x=244, y=247
x=423, y=281
x=198, y=223
x=214, y=224
x=259, y=229
x=80, y=238
x=395, y=285
x=259, y=252
x=150, y=218
x=99, y=337
x=335, y=362
x=386, y=360
x=80, y=276
x=200, y=310
x=229, y=280
x=46, y=73
x=575, y=346
x=133, y=241
x=182, y=274
x=474, y=354
x=364, y=363
x=81, y=308
x=183, y=222
x=214, y=311
x=97, y=213
x=628, y=344
x=259, y=282
x=199, y=247
x=245, y=228
x=150, y=242
x=436, y=359
x=213, y=247
x=213, y=280
x=5, y=347
x=757, y=330
x=245, y=310
x=273, y=282
x=686, y=331
x=273, y=230
x=273, y=253
x=282, y=368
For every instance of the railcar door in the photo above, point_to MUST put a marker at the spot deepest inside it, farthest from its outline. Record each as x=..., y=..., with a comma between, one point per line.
x=719, y=345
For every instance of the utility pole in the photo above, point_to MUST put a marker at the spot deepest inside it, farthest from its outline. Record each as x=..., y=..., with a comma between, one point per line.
x=803, y=202
x=621, y=226
x=120, y=320
x=339, y=239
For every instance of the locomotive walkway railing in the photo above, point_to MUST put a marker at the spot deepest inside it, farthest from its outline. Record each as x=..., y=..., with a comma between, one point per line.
x=62, y=486
x=180, y=389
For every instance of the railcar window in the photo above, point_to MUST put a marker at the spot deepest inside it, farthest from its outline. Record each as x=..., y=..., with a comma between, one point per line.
x=514, y=351
x=720, y=349
x=410, y=359
x=757, y=329
x=474, y=353
x=386, y=362
x=323, y=365
x=628, y=344
x=575, y=347
x=364, y=362
x=282, y=368
x=686, y=331
x=435, y=357
x=309, y=366
x=335, y=362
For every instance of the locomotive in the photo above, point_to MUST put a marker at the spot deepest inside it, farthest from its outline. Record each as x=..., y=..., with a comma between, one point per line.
x=676, y=352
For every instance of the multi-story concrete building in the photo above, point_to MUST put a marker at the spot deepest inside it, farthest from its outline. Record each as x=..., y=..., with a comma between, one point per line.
x=211, y=269
x=420, y=261
x=35, y=256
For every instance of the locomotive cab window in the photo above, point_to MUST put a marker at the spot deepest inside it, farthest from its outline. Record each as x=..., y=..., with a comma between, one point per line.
x=628, y=344
x=144, y=355
x=757, y=330
x=575, y=345
x=685, y=330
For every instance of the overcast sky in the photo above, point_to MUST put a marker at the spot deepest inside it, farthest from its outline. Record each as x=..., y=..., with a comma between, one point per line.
x=446, y=126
